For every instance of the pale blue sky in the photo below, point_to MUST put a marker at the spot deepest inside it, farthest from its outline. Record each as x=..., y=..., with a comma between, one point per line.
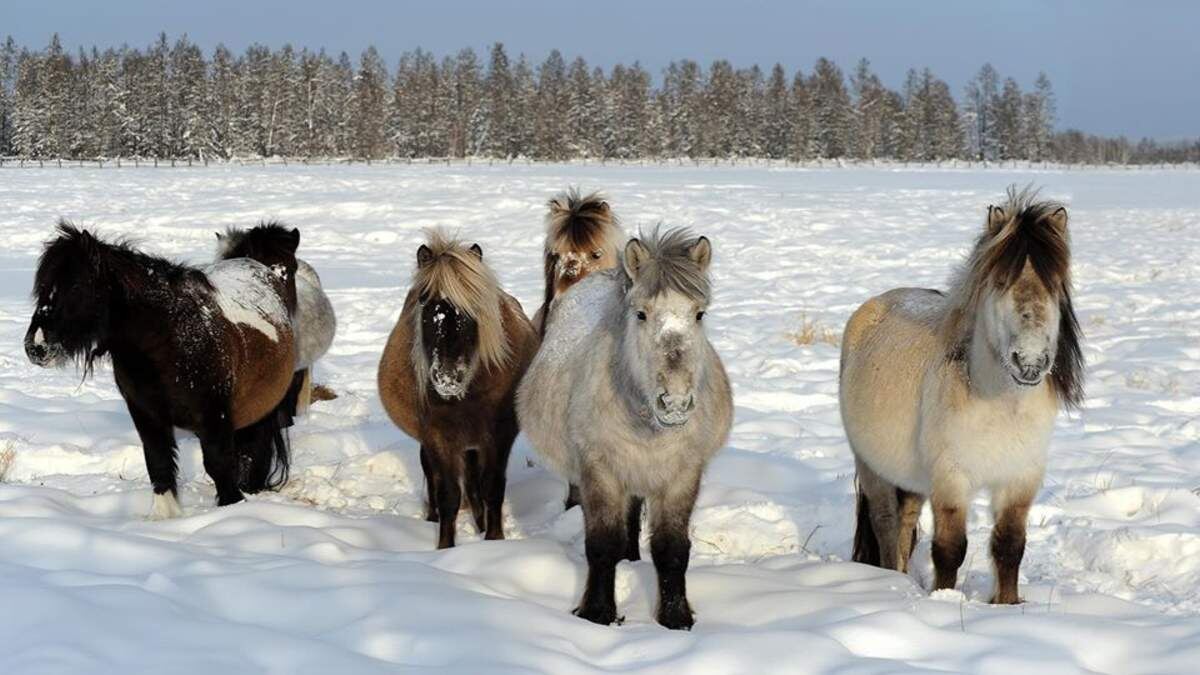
x=1118, y=67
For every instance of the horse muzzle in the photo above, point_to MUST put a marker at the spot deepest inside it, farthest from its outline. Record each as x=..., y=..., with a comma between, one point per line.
x=1029, y=374
x=674, y=410
x=450, y=385
x=43, y=355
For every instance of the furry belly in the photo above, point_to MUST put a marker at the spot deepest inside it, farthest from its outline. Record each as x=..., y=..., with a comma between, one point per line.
x=315, y=321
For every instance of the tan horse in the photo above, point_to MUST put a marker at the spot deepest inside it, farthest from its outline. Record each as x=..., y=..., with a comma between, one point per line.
x=582, y=236
x=943, y=395
x=448, y=378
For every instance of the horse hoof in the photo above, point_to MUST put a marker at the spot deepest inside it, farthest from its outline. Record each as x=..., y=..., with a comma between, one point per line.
x=677, y=616
x=230, y=499
x=601, y=615
x=1006, y=600
x=165, y=507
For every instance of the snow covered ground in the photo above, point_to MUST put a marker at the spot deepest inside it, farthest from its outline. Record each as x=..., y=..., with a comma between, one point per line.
x=337, y=573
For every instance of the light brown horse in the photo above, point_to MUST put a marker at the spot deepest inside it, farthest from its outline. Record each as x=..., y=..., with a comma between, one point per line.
x=943, y=395
x=582, y=236
x=448, y=377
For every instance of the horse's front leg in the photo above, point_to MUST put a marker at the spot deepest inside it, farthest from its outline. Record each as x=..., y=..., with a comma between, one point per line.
x=1010, y=507
x=158, y=445
x=670, y=547
x=431, y=481
x=220, y=457
x=604, y=503
x=495, y=476
x=949, y=531
x=448, y=472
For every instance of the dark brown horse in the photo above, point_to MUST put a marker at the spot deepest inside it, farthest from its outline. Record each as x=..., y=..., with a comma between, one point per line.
x=209, y=350
x=448, y=377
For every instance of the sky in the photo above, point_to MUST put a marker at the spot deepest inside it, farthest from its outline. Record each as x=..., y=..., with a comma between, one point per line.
x=1130, y=68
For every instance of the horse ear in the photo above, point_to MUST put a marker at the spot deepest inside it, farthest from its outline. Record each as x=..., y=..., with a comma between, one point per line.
x=220, y=237
x=1058, y=219
x=424, y=256
x=635, y=256
x=477, y=250
x=605, y=208
x=995, y=219
x=294, y=239
x=701, y=253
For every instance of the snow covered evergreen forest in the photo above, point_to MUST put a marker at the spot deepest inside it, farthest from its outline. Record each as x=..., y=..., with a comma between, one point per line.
x=172, y=100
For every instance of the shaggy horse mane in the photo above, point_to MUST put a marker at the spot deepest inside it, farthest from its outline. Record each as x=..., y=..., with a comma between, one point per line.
x=580, y=223
x=109, y=265
x=457, y=274
x=1024, y=231
x=669, y=265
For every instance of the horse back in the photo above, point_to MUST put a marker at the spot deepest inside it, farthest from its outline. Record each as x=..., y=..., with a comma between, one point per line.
x=256, y=338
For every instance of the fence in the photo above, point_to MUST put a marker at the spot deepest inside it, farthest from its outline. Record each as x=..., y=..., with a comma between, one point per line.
x=189, y=162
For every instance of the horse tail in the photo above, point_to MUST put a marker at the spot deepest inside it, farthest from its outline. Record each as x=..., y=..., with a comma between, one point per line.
x=266, y=448
x=866, y=545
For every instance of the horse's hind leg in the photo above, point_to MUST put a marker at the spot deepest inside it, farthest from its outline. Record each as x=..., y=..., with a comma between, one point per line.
x=220, y=458
x=158, y=445
x=472, y=478
x=670, y=547
x=877, y=498
x=604, y=502
x=304, y=396
x=1011, y=509
x=633, y=529
x=910, y=511
x=574, y=497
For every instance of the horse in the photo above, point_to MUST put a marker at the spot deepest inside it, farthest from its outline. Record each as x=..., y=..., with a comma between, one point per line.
x=448, y=377
x=315, y=321
x=582, y=236
x=945, y=394
x=208, y=350
x=628, y=400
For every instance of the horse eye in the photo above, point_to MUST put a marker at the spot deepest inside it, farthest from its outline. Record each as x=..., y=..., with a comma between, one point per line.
x=641, y=315
x=596, y=255
x=699, y=315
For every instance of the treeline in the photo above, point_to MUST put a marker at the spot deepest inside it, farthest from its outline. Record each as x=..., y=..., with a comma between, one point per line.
x=171, y=100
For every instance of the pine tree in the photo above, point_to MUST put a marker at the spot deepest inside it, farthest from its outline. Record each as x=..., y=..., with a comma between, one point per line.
x=523, y=116
x=370, y=107
x=551, y=111
x=1039, y=118
x=720, y=110
x=8, y=81
x=776, y=123
x=581, y=135
x=466, y=102
x=869, y=101
x=979, y=113
x=801, y=127
x=682, y=100
x=831, y=110
x=1009, y=132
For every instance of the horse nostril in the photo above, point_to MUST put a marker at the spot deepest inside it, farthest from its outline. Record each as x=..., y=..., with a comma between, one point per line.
x=691, y=403
x=662, y=401
x=1016, y=359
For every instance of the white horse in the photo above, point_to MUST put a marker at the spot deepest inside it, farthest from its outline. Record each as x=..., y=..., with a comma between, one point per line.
x=628, y=400
x=943, y=395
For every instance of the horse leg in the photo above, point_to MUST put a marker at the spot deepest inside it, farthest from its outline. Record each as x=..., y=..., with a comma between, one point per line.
x=910, y=511
x=670, y=547
x=1011, y=509
x=449, y=494
x=633, y=529
x=158, y=445
x=574, y=497
x=604, y=502
x=220, y=459
x=304, y=397
x=430, y=469
x=877, y=498
x=495, y=477
x=472, y=475
x=949, y=535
